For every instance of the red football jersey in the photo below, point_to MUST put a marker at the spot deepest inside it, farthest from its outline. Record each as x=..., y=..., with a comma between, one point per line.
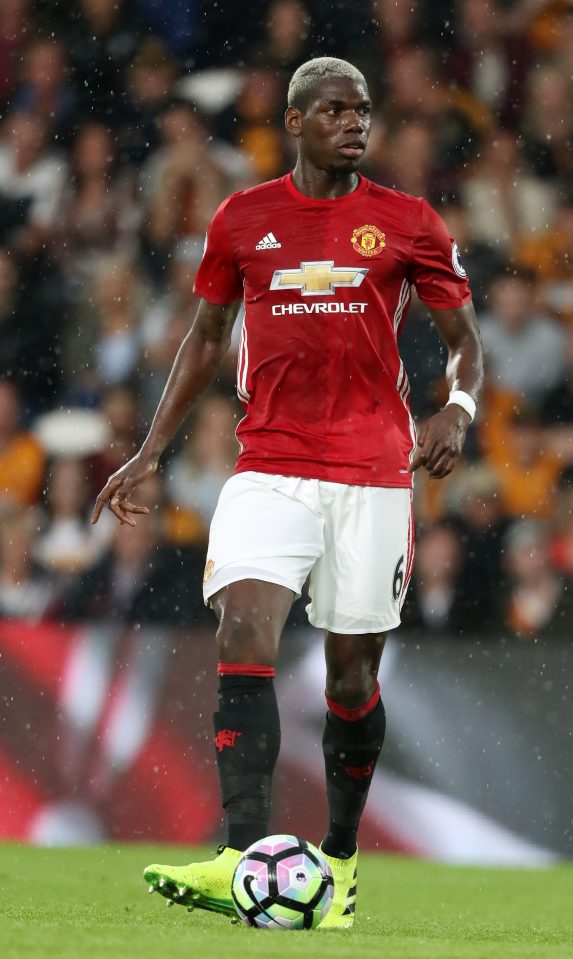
x=326, y=287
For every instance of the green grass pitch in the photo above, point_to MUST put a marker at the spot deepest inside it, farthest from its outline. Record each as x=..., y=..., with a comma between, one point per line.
x=93, y=904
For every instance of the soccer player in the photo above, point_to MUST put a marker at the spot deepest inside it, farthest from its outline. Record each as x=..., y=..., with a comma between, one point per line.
x=323, y=261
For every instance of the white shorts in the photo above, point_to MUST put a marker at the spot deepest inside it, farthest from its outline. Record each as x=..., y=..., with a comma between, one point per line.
x=356, y=542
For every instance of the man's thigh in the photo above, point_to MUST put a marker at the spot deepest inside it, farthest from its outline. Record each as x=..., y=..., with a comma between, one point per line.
x=359, y=584
x=262, y=530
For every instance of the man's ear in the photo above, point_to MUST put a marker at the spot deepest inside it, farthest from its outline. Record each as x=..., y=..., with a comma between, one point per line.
x=293, y=120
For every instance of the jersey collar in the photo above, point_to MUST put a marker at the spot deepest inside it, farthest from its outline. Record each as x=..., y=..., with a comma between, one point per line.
x=289, y=183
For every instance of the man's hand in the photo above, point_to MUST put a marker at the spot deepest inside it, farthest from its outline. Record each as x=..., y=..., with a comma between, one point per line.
x=119, y=488
x=440, y=441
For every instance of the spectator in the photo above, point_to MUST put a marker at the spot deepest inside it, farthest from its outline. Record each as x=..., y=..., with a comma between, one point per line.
x=177, y=23
x=525, y=351
x=557, y=411
x=561, y=537
x=46, y=90
x=121, y=411
x=253, y=123
x=167, y=321
x=14, y=27
x=399, y=25
x=416, y=88
x=21, y=459
x=556, y=414
x=433, y=603
x=25, y=593
x=158, y=360
x=118, y=302
x=178, y=297
x=563, y=42
x=11, y=333
x=540, y=21
x=548, y=255
x=149, y=84
x=480, y=260
x=506, y=202
x=547, y=127
x=31, y=181
x=410, y=158
x=526, y=466
x=197, y=474
x=538, y=605
x=140, y=579
x=481, y=523
x=557, y=407
x=186, y=180
x=286, y=42
x=31, y=320
x=102, y=37
x=488, y=60
x=68, y=543
x=98, y=212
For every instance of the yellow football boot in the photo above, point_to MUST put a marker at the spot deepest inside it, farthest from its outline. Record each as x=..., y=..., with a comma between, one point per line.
x=200, y=885
x=341, y=913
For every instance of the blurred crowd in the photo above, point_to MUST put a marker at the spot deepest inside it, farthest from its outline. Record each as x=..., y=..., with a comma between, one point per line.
x=123, y=125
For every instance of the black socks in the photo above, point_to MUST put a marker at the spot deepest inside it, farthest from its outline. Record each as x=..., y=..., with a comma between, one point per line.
x=247, y=742
x=351, y=745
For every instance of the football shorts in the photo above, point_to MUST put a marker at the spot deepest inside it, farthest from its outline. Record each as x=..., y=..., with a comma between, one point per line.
x=355, y=542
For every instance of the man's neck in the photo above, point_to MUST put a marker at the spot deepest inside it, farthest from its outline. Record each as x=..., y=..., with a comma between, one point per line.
x=321, y=184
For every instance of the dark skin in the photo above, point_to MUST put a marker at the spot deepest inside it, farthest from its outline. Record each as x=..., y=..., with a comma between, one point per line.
x=332, y=130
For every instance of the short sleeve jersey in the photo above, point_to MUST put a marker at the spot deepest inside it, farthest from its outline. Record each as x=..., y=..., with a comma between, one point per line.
x=326, y=287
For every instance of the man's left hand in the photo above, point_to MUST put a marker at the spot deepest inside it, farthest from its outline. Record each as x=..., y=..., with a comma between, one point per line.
x=440, y=441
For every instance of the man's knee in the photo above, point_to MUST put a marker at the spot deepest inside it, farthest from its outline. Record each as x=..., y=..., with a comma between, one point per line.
x=352, y=668
x=244, y=636
x=350, y=689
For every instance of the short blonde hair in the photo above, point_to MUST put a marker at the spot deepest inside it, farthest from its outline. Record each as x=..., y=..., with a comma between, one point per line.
x=321, y=68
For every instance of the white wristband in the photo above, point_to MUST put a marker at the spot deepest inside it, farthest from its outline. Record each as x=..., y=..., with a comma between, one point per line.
x=465, y=401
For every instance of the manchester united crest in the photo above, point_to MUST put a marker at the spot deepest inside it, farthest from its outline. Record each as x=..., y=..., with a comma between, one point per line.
x=368, y=240
x=208, y=571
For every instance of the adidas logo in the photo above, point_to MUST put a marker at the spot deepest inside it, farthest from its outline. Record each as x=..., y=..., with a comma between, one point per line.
x=268, y=242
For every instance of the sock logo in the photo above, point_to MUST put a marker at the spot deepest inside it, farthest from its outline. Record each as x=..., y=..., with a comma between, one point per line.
x=359, y=772
x=226, y=737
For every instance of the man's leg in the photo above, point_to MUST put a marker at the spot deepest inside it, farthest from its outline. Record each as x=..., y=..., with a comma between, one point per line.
x=353, y=737
x=353, y=734
x=251, y=616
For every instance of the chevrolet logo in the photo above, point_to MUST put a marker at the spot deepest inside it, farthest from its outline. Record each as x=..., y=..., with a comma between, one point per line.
x=317, y=278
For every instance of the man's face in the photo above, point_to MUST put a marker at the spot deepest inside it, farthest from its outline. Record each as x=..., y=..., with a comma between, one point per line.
x=333, y=130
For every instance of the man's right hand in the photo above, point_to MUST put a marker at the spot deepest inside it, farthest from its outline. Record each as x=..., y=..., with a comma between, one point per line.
x=119, y=488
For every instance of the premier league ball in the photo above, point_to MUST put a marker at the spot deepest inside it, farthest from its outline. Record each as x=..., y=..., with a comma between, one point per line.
x=283, y=882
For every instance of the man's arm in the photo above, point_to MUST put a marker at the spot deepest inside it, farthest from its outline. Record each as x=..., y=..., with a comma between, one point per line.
x=199, y=358
x=441, y=438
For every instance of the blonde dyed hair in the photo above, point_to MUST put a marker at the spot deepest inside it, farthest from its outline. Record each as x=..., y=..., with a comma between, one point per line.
x=308, y=74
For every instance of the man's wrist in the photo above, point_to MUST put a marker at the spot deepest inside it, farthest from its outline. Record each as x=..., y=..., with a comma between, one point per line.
x=463, y=399
x=151, y=450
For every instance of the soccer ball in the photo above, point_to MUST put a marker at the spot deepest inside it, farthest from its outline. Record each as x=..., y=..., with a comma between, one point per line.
x=282, y=882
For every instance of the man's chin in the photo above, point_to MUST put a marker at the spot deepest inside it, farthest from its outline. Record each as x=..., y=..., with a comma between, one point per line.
x=344, y=166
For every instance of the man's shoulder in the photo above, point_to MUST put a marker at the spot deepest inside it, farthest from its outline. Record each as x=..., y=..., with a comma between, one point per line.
x=254, y=195
x=388, y=194
x=401, y=209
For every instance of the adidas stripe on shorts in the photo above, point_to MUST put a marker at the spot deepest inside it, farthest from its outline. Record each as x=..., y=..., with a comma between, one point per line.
x=355, y=542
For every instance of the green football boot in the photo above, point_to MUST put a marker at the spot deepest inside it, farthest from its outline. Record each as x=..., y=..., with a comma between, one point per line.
x=200, y=885
x=341, y=913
